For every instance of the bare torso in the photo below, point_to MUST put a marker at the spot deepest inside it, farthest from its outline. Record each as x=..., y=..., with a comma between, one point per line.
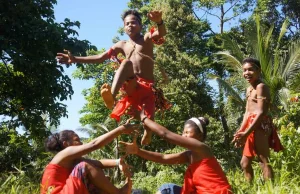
x=252, y=101
x=140, y=53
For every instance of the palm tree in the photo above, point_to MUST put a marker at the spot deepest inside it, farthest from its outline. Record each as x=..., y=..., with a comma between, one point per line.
x=280, y=67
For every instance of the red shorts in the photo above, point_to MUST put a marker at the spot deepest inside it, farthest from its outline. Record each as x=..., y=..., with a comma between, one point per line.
x=266, y=125
x=143, y=94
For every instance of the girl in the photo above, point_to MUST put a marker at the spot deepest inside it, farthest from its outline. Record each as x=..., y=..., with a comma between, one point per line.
x=204, y=173
x=68, y=172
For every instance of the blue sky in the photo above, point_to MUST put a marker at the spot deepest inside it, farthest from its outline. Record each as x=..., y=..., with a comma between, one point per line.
x=99, y=24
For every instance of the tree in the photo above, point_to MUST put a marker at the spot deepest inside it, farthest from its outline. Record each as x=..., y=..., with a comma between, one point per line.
x=32, y=83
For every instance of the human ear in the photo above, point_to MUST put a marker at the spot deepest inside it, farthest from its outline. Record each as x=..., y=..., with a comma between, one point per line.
x=65, y=144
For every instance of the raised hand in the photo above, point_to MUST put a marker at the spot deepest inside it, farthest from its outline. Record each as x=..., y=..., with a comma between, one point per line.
x=65, y=58
x=130, y=128
x=155, y=16
x=129, y=148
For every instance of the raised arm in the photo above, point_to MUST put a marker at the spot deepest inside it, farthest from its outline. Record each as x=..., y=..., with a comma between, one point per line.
x=74, y=152
x=68, y=58
x=156, y=16
x=189, y=143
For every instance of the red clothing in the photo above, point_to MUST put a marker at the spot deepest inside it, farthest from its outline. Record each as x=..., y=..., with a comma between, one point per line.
x=143, y=94
x=57, y=180
x=206, y=177
x=267, y=125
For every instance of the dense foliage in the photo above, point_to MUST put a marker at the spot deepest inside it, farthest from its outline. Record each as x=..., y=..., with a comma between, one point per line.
x=33, y=85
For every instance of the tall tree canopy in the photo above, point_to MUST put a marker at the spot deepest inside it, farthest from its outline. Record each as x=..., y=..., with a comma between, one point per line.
x=32, y=83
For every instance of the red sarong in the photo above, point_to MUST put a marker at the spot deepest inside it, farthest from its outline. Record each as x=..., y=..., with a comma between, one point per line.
x=57, y=180
x=143, y=94
x=266, y=125
x=207, y=177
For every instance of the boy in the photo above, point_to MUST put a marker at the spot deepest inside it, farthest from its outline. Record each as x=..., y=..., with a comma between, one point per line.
x=135, y=74
x=257, y=132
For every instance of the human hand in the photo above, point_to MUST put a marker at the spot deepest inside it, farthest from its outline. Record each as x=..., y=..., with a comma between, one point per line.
x=65, y=58
x=129, y=148
x=239, y=138
x=155, y=16
x=130, y=128
x=125, y=168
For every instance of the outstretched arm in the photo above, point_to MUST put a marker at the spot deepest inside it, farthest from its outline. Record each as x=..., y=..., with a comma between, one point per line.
x=132, y=148
x=68, y=58
x=73, y=152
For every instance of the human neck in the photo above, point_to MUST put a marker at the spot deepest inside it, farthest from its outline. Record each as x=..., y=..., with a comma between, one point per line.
x=255, y=83
x=135, y=37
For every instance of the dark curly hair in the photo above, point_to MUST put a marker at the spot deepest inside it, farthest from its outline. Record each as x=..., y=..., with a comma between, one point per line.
x=132, y=12
x=204, y=122
x=54, y=143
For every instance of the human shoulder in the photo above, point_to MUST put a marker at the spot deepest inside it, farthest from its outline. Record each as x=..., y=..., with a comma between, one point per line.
x=262, y=86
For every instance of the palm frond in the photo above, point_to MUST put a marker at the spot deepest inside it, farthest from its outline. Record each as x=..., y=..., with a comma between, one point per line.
x=230, y=44
x=230, y=92
x=292, y=65
x=229, y=60
x=284, y=96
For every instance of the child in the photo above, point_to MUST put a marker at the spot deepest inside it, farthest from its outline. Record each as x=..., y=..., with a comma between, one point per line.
x=135, y=72
x=257, y=133
x=203, y=175
x=69, y=172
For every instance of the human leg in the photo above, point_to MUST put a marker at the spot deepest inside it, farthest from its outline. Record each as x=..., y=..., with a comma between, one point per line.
x=97, y=178
x=124, y=72
x=261, y=140
x=246, y=164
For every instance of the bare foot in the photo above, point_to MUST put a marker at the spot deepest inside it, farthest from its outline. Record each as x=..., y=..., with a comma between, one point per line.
x=126, y=189
x=107, y=96
x=146, y=139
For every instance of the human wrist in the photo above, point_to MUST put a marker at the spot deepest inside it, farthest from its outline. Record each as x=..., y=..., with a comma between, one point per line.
x=143, y=118
x=118, y=162
x=160, y=23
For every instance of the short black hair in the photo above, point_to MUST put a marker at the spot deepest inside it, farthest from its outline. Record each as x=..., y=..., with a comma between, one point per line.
x=204, y=122
x=132, y=12
x=252, y=61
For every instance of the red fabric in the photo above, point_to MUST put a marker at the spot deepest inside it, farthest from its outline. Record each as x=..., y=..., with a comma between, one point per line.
x=207, y=177
x=57, y=180
x=267, y=124
x=159, y=41
x=143, y=94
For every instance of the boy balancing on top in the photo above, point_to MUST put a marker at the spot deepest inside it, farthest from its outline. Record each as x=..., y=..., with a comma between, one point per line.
x=135, y=74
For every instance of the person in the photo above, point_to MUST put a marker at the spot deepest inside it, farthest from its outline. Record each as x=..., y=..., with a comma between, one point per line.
x=257, y=132
x=203, y=175
x=135, y=73
x=69, y=172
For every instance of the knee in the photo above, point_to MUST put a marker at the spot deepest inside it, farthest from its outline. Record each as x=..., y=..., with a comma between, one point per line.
x=245, y=164
x=126, y=63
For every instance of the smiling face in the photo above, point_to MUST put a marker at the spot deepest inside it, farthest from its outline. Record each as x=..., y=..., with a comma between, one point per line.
x=251, y=72
x=132, y=26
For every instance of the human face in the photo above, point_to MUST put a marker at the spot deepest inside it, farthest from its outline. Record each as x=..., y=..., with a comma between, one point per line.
x=131, y=25
x=251, y=73
x=190, y=132
x=75, y=140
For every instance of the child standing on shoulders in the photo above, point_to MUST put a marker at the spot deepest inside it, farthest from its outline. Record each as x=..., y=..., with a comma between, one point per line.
x=135, y=74
x=257, y=133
